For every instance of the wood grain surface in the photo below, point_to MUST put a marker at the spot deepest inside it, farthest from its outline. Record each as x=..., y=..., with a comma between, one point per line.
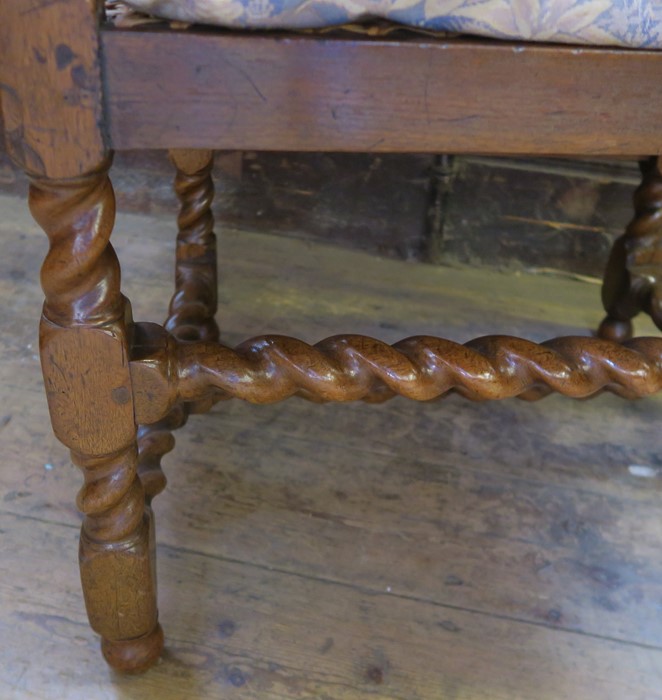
x=528, y=214
x=191, y=89
x=509, y=213
x=421, y=552
x=84, y=340
x=50, y=81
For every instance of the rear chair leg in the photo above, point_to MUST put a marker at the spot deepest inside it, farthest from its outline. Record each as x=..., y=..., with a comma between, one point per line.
x=633, y=279
x=85, y=339
x=193, y=306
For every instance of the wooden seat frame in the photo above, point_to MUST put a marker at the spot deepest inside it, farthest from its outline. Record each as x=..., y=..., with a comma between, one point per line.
x=74, y=89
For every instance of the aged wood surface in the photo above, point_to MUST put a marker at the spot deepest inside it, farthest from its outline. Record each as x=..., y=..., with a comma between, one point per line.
x=372, y=202
x=510, y=213
x=420, y=95
x=84, y=348
x=192, y=306
x=50, y=81
x=532, y=214
x=503, y=551
x=633, y=281
x=270, y=368
x=51, y=101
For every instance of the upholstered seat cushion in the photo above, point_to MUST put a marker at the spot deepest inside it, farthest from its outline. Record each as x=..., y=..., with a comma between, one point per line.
x=633, y=23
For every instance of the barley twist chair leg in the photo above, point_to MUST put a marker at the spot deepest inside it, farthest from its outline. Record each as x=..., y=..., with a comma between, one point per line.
x=633, y=279
x=84, y=340
x=193, y=305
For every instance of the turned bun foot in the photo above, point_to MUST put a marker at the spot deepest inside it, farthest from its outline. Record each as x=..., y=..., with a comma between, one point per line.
x=134, y=655
x=613, y=329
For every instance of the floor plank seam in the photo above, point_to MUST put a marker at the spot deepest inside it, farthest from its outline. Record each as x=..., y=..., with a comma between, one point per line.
x=401, y=596
x=361, y=589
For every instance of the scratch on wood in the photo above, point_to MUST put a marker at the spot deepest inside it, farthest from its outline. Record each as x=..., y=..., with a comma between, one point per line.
x=558, y=225
x=39, y=5
x=426, y=96
x=248, y=77
x=375, y=144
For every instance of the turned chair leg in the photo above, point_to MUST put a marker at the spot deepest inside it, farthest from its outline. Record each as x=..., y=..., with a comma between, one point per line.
x=194, y=303
x=84, y=338
x=633, y=279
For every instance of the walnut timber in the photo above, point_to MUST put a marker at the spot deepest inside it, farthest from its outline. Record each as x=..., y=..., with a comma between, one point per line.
x=73, y=90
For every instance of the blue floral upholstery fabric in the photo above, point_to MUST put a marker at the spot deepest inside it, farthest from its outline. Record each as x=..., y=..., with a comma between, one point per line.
x=631, y=23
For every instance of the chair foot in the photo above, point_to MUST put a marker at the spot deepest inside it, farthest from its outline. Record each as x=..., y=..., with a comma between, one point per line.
x=134, y=655
x=616, y=330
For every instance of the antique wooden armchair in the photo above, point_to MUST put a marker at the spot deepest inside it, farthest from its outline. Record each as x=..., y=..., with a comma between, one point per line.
x=74, y=89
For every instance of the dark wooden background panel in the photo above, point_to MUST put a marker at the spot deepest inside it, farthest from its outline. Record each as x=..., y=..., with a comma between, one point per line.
x=303, y=93
x=533, y=214
x=369, y=202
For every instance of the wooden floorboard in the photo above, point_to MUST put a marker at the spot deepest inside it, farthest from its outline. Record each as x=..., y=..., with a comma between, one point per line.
x=413, y=551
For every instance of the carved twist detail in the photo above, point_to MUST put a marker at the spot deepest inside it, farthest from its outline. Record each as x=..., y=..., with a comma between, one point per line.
x=81, y=281
x=633, y=279
x=112, y=497
x=155, y=441
x=80, y=275
x=192, y=307
x=351, y=367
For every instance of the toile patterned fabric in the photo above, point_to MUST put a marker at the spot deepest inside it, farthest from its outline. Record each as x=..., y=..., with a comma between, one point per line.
x=630, y=23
